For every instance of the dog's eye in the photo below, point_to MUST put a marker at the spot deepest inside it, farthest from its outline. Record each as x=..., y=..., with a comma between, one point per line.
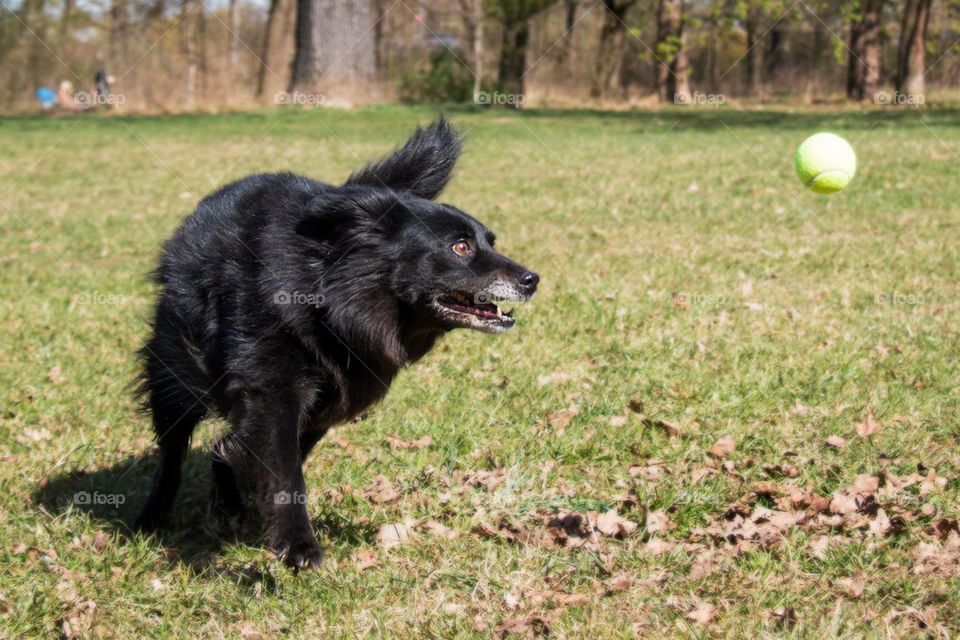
x=461, y=247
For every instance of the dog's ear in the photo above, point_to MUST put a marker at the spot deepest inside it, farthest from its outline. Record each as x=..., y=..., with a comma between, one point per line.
x=422, y=166
x=349, y=216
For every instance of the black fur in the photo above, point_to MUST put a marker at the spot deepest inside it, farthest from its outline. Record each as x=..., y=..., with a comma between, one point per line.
x=289, y=305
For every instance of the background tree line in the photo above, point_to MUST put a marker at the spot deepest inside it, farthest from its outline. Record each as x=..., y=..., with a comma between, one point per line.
x=191, y=53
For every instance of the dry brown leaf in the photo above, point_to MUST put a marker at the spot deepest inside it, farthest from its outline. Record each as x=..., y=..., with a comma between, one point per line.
x=619, y=583
x=367, y=559
x=392, y=535
x=617, y=421
x=819, y=545
x=561, y=419
x=55, y=376
x=396, y=442
x=649, y=470
x=557, y=377
x=670, y=428
x=29, y=435
x=439, y=530
x=77, y=623
x=852, y=587
x=868, y=427
x=722, y=447
x=705, y=565
x=659, y=546
x=538, y=624
x=659, y=522
x=866, y=483
x=880, y=525
x=101, y=540
x=786, y=618
x=836, y=442
x=703, y=613
x=613, y=525
x=381, y=491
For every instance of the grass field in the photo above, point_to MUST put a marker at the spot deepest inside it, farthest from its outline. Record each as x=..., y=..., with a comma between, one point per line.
x=703, y=328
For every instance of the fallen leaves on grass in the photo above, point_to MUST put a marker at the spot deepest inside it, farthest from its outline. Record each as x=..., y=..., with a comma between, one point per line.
x=396, y=442
x=393, y=535
x=722, y=447
x=28, y=435
x=611, y=524
x=836, y=442
x=55, y=375
x=381, y=491
x=556, y=529
x=439, y=530
x=868, y=427
x=536, y=624
x=367, y=559
x=702, y=613
x=561, y=419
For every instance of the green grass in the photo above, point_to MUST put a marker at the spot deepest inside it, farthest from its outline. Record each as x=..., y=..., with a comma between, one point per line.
x=683, y=267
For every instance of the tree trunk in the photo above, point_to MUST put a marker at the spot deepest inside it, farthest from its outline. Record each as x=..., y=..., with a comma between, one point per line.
x=609, y=60
x=65, y=18
x=752, y=54
x=568, y=51
x=233, y=43
x=671, y=78
x=334, y=50
x=863, y=61
x=513, y=54
x=380, y=8
x=119, y=21
x=188, y=48
x=472, y=12
x=278, y=41
x=711, y=53
x=911, y=54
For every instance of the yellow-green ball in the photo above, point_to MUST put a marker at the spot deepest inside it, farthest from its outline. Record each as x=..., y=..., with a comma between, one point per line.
x=825, y=163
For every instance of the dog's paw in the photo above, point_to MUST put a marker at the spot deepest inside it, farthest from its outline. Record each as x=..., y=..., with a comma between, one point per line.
x=301, y=555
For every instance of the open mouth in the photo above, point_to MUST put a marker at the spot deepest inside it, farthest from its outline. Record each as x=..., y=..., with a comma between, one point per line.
x=476, y=309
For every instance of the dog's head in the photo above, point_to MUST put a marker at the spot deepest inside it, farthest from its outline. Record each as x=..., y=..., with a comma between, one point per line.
x=446, y=270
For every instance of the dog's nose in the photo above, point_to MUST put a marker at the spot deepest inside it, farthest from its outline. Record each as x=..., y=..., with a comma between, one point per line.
x=529, y=280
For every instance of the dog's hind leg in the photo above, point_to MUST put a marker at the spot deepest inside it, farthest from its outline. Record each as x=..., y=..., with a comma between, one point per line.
x=177, y=408
x=264, y=448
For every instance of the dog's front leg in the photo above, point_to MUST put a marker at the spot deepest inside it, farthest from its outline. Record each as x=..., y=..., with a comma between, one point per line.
x=268, y=432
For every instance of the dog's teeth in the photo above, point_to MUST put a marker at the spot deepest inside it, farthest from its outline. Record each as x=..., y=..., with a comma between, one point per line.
x=499, y=313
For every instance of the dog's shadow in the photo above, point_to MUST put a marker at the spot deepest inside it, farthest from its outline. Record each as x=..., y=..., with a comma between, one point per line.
x=111, y=496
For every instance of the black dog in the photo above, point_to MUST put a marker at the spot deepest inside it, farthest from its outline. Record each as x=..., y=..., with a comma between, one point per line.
x=289, y=305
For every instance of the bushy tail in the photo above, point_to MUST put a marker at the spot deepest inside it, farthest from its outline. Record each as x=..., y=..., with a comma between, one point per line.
x=422, y=166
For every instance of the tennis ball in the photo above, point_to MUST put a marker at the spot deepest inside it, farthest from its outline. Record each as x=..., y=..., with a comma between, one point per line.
x=825, y=163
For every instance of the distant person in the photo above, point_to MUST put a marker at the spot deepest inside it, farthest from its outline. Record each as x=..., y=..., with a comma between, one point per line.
x=65, y=97
x=47, y=97
x=102, y=82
